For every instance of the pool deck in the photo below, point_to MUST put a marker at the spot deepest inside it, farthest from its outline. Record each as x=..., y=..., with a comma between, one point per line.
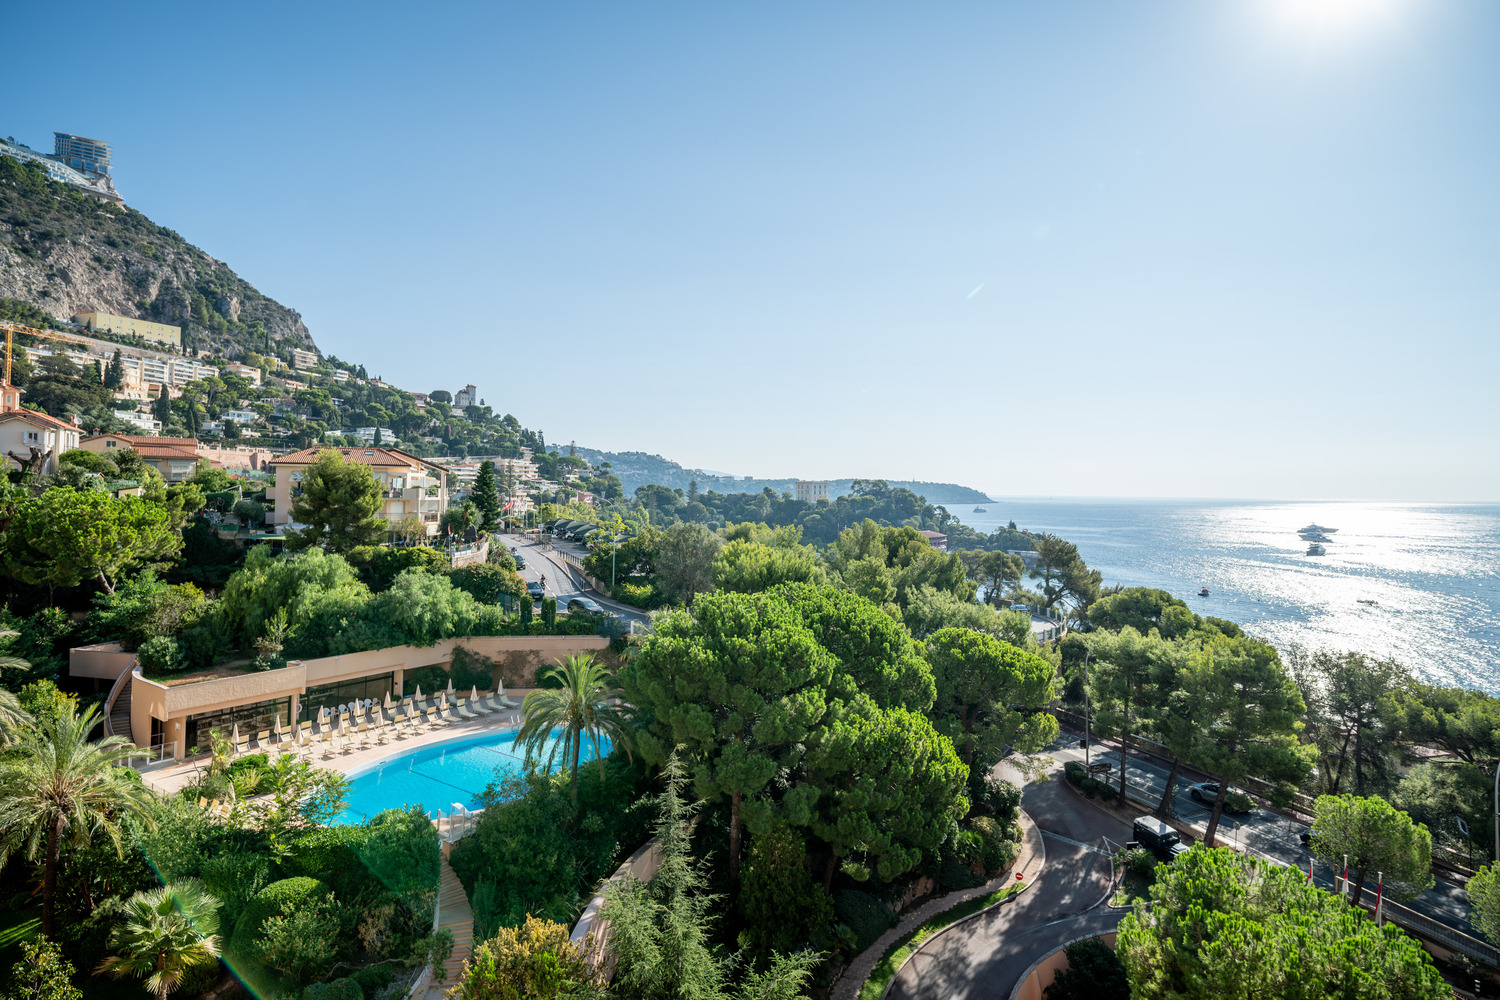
x=172, y=779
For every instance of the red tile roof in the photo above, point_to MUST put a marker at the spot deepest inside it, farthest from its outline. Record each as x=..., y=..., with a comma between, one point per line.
x=39, y=418
x=376, y=456
x=155, y=447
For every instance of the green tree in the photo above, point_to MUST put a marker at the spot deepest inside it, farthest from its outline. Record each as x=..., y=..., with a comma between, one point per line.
x=486, y=496
x=301, y=941
x=747, y=567
x=57, y=787
x=1131, y=678
x=1484, y=897
x=584, y=705
x=165, y=934
x=1221, y=924
x=41, y=974
x=1063, y=573
x=1375, y=837
x=1353, y=715
x=741, y=684
x=684, y=561
x=64, y=537
x=660, y=932
x=877, y=659
x=1143, y=609
x=337, y=500
x=884, y=782
x=1247, y=711
x=991, y=698
x=782, y=906
x=929, y=610
x=999, y=572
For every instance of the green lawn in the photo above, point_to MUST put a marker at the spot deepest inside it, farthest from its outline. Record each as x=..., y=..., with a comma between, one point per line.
x=886, y=968
x=17, y=926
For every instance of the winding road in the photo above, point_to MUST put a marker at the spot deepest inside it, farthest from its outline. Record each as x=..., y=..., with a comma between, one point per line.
x=984, y=958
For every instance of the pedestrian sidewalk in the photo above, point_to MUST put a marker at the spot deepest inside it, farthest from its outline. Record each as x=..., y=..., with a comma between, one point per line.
x=1029, y=862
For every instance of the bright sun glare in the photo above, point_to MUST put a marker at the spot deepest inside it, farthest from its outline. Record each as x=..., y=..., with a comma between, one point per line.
x=1333, y=18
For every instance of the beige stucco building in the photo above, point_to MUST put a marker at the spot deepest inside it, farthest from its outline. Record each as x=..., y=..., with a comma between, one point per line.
x=29, y=435
x=178, y=713
x=175, y=458
x=409, y=485
x=156, y=333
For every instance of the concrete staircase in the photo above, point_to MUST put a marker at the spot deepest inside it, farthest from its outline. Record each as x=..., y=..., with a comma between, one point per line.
x=454, y=915
x=119, y=715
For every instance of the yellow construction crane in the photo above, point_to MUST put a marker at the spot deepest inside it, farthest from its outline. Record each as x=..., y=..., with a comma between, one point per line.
x=11, y=329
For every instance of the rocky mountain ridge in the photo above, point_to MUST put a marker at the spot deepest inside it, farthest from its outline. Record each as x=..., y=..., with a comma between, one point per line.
x=67, y=253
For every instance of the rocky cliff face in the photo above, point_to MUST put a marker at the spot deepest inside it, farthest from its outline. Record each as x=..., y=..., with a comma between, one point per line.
x=66, y=253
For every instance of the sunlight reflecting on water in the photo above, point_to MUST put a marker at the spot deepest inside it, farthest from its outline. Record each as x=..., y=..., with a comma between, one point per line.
x=1433, y=570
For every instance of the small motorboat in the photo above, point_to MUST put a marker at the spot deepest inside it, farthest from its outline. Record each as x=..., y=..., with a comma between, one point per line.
x=1371, y=603
x=1203, y=592
x=1316, y=550
x=980, y=510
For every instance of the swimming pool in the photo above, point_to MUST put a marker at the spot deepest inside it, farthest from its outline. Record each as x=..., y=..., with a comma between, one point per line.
x=435, y=777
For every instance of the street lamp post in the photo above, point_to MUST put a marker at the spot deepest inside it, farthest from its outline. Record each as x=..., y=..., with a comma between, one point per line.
x=1497, y=811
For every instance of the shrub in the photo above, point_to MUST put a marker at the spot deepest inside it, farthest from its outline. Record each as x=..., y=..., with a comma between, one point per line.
x=234, y=878
x=347, y=988
x=161, y=655
x=534, y=961
x=1137, y=861
x=250, y=513
x=549, y=611
x=997, y=849
x=380, y=565
x=297, y=892
x=222, y=500
x=1001, y=798
x=865, y=916
x=1094, y=972
x=301, y=940
x=488, y=582
x=781, y=905
x=373, y=977
x=142, y=608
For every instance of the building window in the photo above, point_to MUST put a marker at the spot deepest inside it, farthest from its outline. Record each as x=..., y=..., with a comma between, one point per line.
x=330, y=696
x=250, y=718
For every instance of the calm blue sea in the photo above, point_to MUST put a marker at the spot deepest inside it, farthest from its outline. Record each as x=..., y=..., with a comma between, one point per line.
x=1433, y=570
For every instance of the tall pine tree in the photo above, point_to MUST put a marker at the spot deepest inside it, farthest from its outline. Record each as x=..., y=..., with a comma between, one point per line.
x=487, y=497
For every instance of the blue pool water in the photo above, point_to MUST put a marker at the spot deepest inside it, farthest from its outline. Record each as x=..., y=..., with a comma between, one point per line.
x=435, y=777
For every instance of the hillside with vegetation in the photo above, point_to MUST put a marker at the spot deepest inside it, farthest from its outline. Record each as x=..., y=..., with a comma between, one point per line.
x=62, y=252
x=638, y=468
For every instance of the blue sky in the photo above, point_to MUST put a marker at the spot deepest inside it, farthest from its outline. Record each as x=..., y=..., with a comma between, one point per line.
x=1245, y=248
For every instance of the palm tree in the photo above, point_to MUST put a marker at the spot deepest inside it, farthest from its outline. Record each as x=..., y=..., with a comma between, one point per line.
x=55, y=785
x=12, y=716
x=165, y=934
x=586, y=704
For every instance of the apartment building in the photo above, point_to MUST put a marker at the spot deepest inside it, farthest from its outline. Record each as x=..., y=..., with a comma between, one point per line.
x=409, y=485
x=304, y=359
x=143, y=372
x=812, y=490
x=245, y=372
x=156, y=333
x=144, y=421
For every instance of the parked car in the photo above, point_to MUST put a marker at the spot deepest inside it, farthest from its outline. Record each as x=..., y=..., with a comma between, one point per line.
x=1158, y=838
x=1236, y=801
x=584, y=605
x=1022, y=608
x=534, y=588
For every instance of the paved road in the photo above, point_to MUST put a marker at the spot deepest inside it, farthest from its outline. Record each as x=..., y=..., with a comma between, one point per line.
x=559, y=582
x=1262, y=832
x=983, y=958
